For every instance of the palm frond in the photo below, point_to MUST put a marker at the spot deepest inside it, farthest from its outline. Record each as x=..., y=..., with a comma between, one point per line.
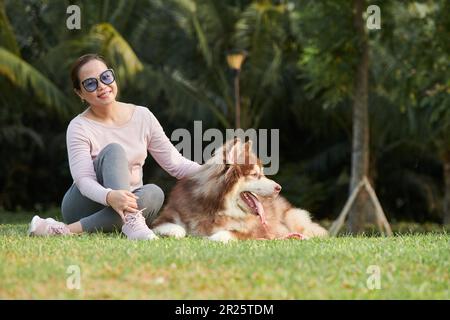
x=11, y=133
x=187, y=91
x=113, y=46
x=28, y=78
x=203, y=41
x=7, y=37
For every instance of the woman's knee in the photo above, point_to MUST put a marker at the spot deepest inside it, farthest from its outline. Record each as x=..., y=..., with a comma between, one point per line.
x=112, y=161
x=113, y=149
x=151, y=197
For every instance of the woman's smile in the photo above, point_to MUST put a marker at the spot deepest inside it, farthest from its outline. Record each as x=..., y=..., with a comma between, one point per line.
x=104, y=95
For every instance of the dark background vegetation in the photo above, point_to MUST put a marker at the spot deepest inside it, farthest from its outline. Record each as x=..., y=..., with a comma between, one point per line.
x=171, y=57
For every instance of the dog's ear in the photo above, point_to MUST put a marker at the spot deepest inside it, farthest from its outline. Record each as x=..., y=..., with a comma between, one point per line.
x=231, y=151
x=248, y=146
x=221, y=155
x=245, y=153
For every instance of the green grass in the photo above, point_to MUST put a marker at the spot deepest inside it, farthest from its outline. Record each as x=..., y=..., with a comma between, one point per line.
x=414, y=266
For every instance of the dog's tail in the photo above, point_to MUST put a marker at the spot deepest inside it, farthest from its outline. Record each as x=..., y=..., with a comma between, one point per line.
x=299, y=220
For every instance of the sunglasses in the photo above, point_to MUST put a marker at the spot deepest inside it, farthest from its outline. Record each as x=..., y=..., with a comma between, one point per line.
x=106, y=77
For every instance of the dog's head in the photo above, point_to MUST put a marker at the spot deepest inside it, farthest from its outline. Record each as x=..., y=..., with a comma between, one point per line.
x=247, y=184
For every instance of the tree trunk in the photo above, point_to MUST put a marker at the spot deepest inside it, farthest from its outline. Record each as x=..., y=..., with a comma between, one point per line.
x=360, y=145
x=447, y=190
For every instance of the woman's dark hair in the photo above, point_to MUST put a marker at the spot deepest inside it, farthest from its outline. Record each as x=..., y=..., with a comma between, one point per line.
x=81, y=61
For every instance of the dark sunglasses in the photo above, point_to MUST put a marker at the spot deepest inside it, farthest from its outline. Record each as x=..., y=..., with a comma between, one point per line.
x=106, y=77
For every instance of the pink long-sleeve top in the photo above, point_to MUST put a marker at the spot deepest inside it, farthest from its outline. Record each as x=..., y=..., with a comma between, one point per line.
x=142, y=133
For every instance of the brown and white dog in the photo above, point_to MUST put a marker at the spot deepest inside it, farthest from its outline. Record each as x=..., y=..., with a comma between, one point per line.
x=230, y=198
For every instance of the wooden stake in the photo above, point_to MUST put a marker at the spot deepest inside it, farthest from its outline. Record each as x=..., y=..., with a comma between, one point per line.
x=382, y=223
x=337, y=225
x=381, y=217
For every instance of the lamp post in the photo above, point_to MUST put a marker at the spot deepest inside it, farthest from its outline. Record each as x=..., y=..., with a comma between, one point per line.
x=235, y=60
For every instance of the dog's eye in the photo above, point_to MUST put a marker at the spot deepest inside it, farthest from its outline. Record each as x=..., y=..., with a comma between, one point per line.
x=255, y=175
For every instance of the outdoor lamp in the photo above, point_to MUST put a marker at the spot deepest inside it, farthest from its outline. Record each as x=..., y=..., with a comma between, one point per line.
x=235, y=60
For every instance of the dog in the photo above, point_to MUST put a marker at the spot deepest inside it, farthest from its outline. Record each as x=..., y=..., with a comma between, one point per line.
x=230, y=198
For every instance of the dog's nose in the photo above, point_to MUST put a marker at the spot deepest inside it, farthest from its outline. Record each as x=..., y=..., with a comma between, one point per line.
x=277, y=188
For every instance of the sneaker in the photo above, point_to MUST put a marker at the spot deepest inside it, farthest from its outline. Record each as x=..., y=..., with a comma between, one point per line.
x=47, y=227
x=135, y=227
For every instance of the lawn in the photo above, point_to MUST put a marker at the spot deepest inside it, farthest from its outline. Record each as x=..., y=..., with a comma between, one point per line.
x=414, y=266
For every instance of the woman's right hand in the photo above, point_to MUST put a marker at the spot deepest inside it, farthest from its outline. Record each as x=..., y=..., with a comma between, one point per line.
x=121, y=201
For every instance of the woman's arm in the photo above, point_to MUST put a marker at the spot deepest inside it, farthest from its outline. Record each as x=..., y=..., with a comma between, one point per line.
x=165, y=153
x=82, y=166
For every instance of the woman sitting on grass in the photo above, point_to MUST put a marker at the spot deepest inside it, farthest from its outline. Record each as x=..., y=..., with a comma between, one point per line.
x=107, y=145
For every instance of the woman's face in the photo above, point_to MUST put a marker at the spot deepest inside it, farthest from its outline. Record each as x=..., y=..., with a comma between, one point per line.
x=105, y=94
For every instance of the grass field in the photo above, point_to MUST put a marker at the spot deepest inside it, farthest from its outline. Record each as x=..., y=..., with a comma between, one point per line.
x=415, y=266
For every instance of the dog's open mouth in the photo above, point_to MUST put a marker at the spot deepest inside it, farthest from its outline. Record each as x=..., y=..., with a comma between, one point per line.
x=253, y=203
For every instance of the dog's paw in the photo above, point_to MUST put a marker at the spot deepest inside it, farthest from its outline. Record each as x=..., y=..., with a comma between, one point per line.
x=170, y=230
x=222, y=236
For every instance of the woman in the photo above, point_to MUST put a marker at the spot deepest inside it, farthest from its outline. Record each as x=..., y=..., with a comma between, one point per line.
x=107, y=145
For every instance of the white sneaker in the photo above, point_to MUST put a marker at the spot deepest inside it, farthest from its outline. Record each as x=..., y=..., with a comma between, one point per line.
x=47, y=227
x=135, y=227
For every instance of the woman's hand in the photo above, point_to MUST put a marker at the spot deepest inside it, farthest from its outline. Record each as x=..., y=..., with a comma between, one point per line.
x=122, y=201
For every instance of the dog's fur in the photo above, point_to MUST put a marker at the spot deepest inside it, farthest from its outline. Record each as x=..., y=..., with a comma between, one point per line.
x=210, y=202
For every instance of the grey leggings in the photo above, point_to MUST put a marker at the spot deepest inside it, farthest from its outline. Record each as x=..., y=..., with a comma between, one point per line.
x=111, y=167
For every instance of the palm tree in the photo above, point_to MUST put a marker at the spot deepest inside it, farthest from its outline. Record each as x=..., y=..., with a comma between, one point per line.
x=196, y=76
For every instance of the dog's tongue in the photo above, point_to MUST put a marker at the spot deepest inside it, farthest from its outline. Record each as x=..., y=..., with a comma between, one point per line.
x=259, y=208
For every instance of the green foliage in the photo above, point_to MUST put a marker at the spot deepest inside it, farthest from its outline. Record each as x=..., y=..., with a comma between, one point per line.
x=325, y=30
x=110, y=44
x=26, y=77
x=413, y=68
x=7, y=37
